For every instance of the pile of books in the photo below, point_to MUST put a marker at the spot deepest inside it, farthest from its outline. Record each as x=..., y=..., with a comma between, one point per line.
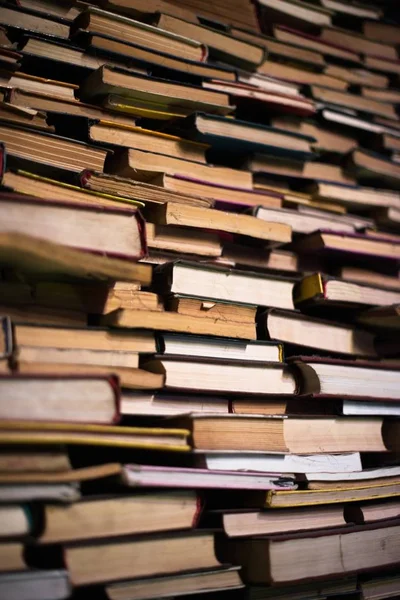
x=199, y=300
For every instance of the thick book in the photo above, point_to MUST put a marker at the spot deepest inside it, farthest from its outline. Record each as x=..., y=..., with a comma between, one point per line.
x=319, y=290
x=81, y=226
x=308, y=332
x=372, y=167
x=72, y=397
x=221, y=376
x=36, y=585
x=384, y=318
x=303, y=222
x=271, y=433
x=33, y=254
x=325, y=553
x=206, y=281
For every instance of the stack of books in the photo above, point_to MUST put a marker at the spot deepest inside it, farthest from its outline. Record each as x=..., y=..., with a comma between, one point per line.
x=199, y=300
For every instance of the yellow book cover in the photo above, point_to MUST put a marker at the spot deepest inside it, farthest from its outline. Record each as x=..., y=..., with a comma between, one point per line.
x=151, y=133
x=40, y=432
x=311, y=286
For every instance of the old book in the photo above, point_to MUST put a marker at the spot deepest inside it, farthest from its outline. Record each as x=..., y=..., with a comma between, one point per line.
x=369, y=277
x=320, y=290
x=67, y=356
x=220, y=349
x=304, y=40
x=144, y=139
x=281, y=167
x=383, y=317
x=180, y=240
x=391, y=67
x=210, y=309
x=283, y=434
x=12, y=557
x=137, y=190
x=24, y=182
x=204, y=281
x=43, y=433
x=124, y=515
x=69, y=398
x=380, y=250
x=37, y=584
x=222, y=376
x=296, y=13
x=370, y=166
x=275, y=260
x=303, y=222
x=99, y=43
x=356, y=197
x=129, y=30
x=144, y=166
x=358, y=43
x=380, y=587
x=178, y=323
x=324, y=140
x=12, y=17
x=32, y=254
x=127, y=559
x=243, y=524
x=83, y=226
x=354, y=102
x=205, y=218
x=217, y=193
x=107, y=80
x=51, y=150
x=24, y=116
x=301, y=76
x=244, y=136
x=382, y=32
x=279, y=50
x=372, y=476
x=353, y=379
x=48, y=87
x=39, y=460
x=15, y=520
x=281, y=463
x=298, y=329
x=221, y=46
x=325, y=554
x=358, y=76
x=224, y=579
x=160, y=404
x=44, y=102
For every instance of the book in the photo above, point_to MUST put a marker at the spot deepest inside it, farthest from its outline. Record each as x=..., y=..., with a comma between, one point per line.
x=107, y=80
x=178, y=477
x=129, y=30
x=224, y=194
x=283, y=434
x=312, y=42
x=83, y=226
x=336, y=553
x=128, y=559
x=61, y=398
x=244, y=524
x=370, y=166
x=144, y=139
x=12, y=17
x=205, y=218
x=218, y=348
x=100, y=518
x=353, y=379
x=39, y=584
x=28, y=147
x=12, y=557
x=177, y=239
x=358, y=76
x=373, y=475
x=221, y=46
x=144, y=166
x=320, y=290
x=137, y=190
x=39, y=492
x=303, y=222
x=294, y=12
x=382, y=317
x=391, y=67
x=38, y=255
x=203, y=308
x=301, y=76
x=160, y=404
x=204, y=281
x=295, y=169
x=353, y=101
x=179, y=323
x=356, y=196
x=108, y=436
x=40, y=460
x=221, y=376
x=49, y=87
x=369, y=277
x=24, y=116
x=281, y=462
x=249, y=137
x=382, y=32
x=224, y=579
x=326, y=336
x=379, y=250
x=358, y=43
x=379, y=586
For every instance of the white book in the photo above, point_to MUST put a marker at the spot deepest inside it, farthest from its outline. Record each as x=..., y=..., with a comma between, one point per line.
x=367, y=474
